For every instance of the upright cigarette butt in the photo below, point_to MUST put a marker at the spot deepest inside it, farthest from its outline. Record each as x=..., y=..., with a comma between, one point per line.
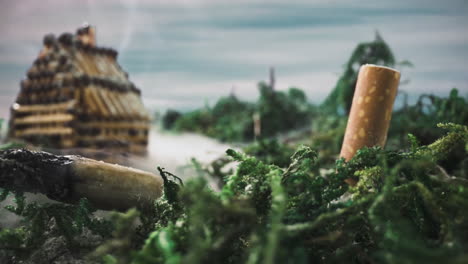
x=371, y=109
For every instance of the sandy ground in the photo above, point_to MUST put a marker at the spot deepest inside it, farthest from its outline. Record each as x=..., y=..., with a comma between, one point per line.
x=174, y=151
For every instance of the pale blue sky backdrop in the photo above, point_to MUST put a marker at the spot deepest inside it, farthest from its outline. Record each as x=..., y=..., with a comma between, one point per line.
x=183, y=54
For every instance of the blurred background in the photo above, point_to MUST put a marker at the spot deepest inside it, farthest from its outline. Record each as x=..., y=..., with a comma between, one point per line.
x=186, y=55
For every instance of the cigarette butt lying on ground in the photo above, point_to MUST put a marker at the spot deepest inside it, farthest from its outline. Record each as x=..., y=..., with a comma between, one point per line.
x=69, y=178
x=371, y=109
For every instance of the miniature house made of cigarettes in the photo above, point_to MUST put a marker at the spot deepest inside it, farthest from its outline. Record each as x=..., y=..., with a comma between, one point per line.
x=77, y=96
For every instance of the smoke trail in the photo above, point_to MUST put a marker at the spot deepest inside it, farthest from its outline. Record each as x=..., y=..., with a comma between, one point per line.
x=129, y=27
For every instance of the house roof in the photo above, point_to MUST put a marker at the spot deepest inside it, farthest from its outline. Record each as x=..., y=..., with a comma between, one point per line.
x=74, y=61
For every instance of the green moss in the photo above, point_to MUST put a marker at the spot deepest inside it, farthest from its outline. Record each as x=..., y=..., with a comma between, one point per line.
x=231, y=119
x=404, y=210
x=409, y=205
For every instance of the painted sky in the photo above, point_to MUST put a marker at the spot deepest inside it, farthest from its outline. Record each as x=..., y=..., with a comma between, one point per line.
x=185, y=53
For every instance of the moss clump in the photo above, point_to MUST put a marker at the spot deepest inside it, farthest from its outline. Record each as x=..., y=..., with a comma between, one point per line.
x=232, y=120
x=405, y=209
